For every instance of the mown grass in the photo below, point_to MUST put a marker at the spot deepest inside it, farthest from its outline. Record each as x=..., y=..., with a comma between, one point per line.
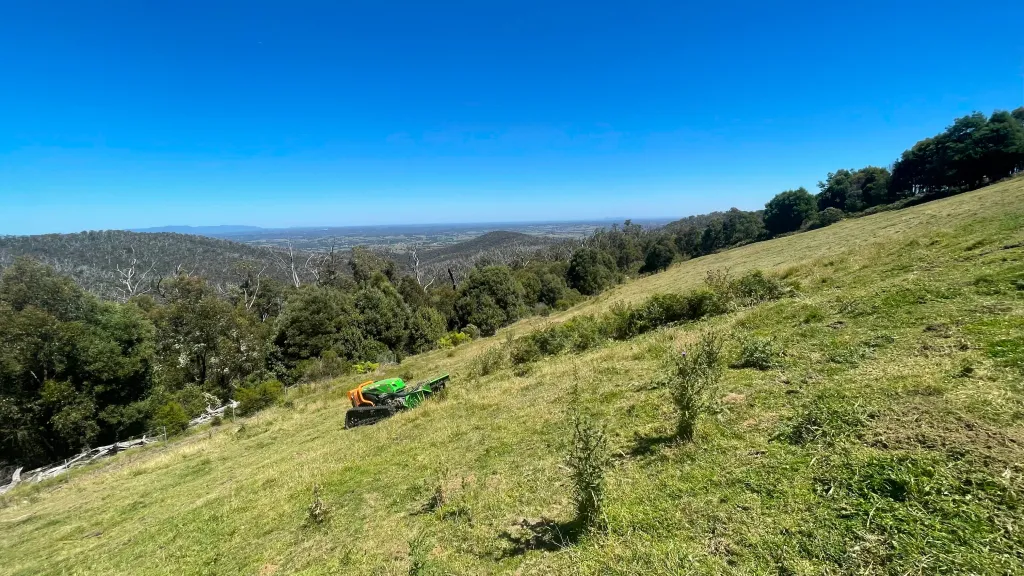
x=886, y=436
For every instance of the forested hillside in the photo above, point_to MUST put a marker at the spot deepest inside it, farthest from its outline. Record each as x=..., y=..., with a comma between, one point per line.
x=117, y=264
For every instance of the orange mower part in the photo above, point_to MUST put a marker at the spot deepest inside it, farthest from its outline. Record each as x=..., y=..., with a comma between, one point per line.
x=355, y=396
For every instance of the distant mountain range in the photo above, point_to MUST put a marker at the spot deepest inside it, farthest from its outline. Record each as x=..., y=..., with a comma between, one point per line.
x=221, y=230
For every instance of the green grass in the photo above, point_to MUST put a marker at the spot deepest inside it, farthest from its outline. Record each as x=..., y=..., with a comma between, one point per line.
x=888, y=438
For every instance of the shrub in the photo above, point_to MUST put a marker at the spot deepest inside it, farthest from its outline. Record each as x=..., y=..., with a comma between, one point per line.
x=170, y=417
x=491, y=360
x=552, y=340
x=252, y=399
x=524, y=350
x=453, y=340
x=588, y=460
x=585, y=332
x=754, y=287
x=365, y=367
x=702, y=303
x=758, y=353
x=830, y=216
x=624, y=322
x=472, y=331
x=693, y=383
x=216, y=421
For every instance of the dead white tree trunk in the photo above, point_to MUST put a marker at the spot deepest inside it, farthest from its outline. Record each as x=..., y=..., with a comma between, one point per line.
x=133, y=282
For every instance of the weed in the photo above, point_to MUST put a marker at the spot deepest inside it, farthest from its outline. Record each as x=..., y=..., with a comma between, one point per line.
x=813, y=315
x=826, y=418
x=419, y=553
x=588, y=460
x=758, y=353
x=694, y=382
x=318, y=511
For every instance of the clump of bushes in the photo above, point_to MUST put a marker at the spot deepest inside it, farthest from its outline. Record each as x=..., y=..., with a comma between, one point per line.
x=365, y=367
x=693, y=383
x=758, y=353
x=626, y=322
x=252, y=399
x=578, y=334
x=524, y=350
x=755, y=287
x=453, y=340
x=623, y=322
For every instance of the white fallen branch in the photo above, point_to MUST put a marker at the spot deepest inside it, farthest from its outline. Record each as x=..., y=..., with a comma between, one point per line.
x=211, y=413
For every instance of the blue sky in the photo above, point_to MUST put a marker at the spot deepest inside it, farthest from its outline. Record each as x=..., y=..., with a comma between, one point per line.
x=118, y=114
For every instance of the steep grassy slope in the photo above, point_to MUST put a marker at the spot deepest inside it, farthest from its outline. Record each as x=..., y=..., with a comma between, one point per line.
x=889, y=440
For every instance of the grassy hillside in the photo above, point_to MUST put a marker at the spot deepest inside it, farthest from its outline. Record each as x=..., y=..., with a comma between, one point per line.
x=889, y=439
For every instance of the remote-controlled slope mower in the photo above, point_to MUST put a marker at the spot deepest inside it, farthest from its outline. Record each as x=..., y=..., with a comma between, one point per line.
x=375, y=401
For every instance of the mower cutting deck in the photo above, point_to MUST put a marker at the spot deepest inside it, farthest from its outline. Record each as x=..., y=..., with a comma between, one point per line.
x=375, y=401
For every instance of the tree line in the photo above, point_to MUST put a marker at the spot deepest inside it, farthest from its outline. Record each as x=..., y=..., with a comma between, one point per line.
x=79, y=371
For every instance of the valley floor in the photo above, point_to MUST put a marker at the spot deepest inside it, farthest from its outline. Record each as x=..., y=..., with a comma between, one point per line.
x=888, y=440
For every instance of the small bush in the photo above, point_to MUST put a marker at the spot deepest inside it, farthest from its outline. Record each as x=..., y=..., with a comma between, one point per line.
x=693, y=383
x=365, y=367
x=754, y=287
x=524, y=350
x=172, y=417
x=252, y=399
x=491, y=360
x=758, y=353
x=588, y=460
x=453, y=340
x=216, y=421
x=472, y=331
x=830, y=216
x=585, y=332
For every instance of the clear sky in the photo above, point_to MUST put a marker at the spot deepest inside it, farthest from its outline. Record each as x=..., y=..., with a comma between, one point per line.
x=118, y=114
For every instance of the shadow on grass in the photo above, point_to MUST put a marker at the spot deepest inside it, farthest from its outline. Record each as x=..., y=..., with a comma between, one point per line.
x=648, y=445
x=544, y=534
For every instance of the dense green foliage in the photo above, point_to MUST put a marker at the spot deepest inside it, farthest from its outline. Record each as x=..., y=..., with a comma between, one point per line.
x=788, y=210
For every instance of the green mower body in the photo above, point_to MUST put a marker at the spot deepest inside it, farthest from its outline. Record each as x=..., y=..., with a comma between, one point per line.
x=375, y=401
